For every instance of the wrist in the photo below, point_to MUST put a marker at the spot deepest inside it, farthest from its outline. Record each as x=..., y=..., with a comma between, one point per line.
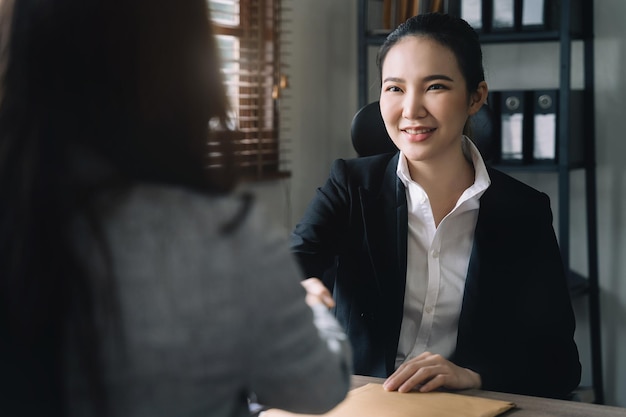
x=476, y=380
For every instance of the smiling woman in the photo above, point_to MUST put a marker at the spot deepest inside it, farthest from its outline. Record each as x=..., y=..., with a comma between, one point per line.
x=425, y=104
x=444, y=272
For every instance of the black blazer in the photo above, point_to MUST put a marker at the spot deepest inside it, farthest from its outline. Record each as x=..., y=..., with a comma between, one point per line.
x=516, y=325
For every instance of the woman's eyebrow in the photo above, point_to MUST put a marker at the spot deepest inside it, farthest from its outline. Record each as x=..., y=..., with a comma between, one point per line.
x=438, y=77
x=393, y=80
x=428, y=78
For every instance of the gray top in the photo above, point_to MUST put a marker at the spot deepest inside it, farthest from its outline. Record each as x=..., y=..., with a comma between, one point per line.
x=208, y=318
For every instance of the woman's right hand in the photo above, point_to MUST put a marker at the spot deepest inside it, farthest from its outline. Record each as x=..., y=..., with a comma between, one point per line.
x=316, y=292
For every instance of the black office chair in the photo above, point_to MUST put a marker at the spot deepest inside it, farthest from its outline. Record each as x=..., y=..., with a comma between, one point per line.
x=370, y=137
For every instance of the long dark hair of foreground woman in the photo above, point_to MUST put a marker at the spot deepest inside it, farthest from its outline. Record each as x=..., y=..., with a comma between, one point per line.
x=122, y=83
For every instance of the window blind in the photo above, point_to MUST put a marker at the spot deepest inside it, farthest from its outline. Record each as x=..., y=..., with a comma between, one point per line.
x=248, y=34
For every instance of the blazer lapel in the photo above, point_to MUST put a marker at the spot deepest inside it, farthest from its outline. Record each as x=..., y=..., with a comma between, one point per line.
x=384, y=213
x=385, y=220
x=488, y=204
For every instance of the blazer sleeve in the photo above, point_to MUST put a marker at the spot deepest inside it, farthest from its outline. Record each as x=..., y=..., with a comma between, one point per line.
x=321, y=233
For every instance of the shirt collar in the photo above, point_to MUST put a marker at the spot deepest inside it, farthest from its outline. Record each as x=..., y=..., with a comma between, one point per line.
x=471, y=152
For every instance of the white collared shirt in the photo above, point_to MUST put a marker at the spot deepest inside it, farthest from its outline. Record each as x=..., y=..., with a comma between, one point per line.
x=437, y=262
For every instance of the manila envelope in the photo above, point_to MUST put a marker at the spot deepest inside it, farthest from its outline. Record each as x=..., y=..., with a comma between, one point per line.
x=372, y=400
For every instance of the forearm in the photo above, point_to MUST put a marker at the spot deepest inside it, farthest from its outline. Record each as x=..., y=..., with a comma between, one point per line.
x=314, y=365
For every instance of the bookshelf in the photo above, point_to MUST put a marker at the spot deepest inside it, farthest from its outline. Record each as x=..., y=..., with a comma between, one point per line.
x=563, y=28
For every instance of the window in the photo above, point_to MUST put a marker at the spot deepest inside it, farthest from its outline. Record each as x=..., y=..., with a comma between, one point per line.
x=248, y=35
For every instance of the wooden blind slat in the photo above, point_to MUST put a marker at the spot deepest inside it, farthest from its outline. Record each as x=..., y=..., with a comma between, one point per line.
x=250, y=43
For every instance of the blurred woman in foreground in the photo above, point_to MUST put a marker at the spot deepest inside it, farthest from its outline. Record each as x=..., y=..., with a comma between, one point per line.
x=131, y=282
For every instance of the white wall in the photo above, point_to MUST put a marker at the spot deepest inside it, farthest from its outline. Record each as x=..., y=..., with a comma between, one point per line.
x=323, y=90
x=322, y=97
x=323, y=87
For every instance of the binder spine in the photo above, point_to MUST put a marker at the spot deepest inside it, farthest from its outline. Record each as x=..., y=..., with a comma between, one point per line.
x=527, y=127
x=512, y=126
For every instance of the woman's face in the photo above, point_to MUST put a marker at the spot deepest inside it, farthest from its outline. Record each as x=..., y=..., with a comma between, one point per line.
x=424, y=100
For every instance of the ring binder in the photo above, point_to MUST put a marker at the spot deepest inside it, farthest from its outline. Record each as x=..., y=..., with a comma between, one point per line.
x=545, y=121
x=545, y=125
x=512, y=126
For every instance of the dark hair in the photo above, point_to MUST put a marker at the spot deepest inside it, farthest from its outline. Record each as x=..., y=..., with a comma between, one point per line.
x=452, y=32
x=133, y=82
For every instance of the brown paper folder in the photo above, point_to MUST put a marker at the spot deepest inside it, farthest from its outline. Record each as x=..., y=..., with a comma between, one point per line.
x=372, y=400
x=387, y=9
x=402, y=11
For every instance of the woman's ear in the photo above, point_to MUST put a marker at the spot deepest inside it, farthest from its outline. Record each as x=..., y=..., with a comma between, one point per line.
x=478, y=98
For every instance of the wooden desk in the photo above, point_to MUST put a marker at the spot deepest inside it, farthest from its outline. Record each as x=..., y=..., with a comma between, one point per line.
x=529, y=406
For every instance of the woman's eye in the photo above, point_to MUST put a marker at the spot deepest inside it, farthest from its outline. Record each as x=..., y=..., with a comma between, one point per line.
x=436, y=87
x=393, y=88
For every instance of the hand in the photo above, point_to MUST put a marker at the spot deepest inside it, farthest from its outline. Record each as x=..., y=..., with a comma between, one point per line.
x=316, y=292
x=431, y=372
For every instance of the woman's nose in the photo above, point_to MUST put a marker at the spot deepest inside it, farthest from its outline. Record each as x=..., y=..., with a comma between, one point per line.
x=413, y=107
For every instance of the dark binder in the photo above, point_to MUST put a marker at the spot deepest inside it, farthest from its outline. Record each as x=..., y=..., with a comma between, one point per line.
x=545, y=124
x=546, y=128
x=511, y=128
x=553, y=15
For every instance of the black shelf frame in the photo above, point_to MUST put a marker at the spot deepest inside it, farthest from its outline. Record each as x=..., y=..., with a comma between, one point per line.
x=579, y=285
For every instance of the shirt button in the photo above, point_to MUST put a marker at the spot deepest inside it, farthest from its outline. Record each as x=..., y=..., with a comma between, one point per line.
x=429, y=310
x=435, y=253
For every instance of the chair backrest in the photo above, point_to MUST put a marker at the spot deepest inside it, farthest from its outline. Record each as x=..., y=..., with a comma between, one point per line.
x=370, y=137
